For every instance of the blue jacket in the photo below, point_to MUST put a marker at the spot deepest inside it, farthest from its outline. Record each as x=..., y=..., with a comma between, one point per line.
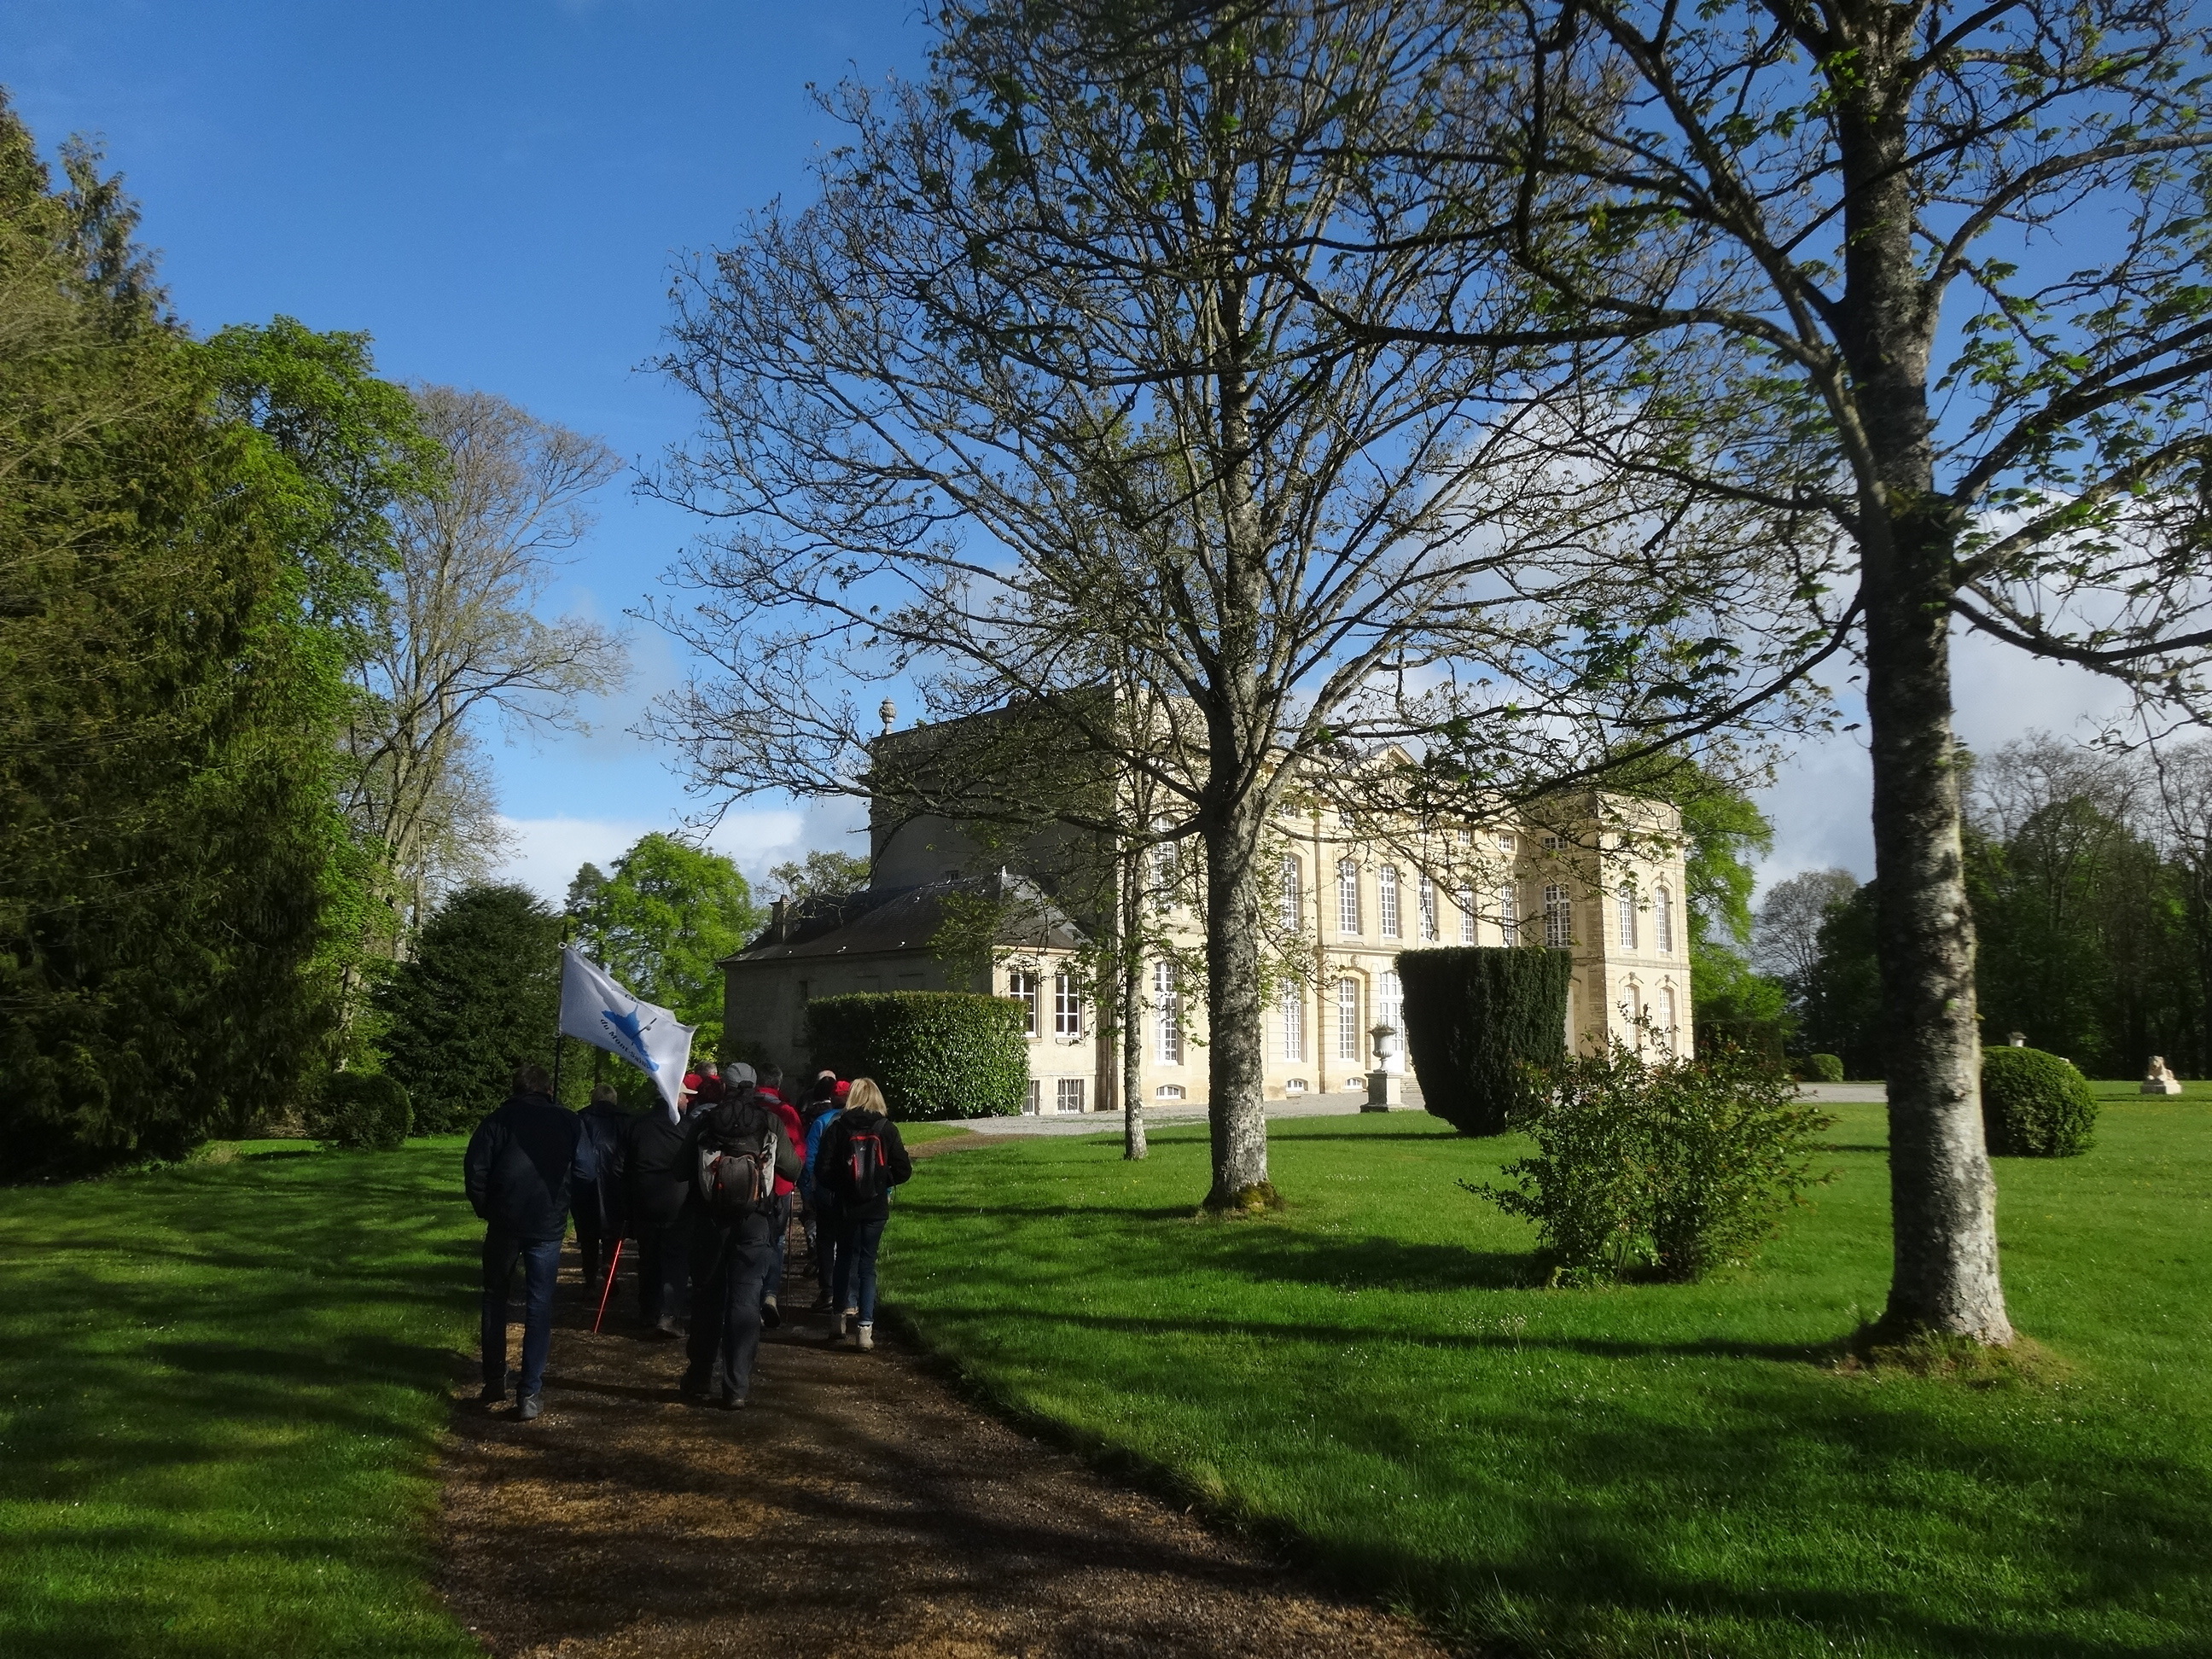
x=518, y=1166
x=817, y=1194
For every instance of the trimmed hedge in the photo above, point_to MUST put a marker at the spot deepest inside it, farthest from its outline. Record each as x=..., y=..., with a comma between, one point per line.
x=1823, y=1068
x=360, y=1112
x=2035, y=1104
x=1476, y=1016
x=935, y=1054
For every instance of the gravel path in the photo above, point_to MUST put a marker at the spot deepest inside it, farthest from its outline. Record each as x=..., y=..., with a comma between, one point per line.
x=856, y=1507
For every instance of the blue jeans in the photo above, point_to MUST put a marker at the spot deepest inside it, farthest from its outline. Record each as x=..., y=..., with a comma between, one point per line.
x=782, y=1221
x=857, y=1243
x=541, y=1265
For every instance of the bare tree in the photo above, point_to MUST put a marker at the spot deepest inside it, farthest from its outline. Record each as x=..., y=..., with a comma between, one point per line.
x=1042, y=405
x=1785, y=935
x=462, y=638
x=1775, y=200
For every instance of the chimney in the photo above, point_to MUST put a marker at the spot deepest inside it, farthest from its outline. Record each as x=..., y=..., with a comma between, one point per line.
x=779, y=925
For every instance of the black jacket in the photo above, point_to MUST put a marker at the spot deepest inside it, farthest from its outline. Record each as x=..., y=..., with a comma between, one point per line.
x=518, y=1166
x=658, y=1163
x=834, y=1157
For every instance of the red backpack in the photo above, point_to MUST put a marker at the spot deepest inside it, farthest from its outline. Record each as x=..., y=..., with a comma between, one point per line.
x=862, y=1174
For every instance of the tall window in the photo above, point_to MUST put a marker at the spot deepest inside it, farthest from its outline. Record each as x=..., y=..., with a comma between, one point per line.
x=1428, y=901
x=1294, y=901
x=1662, y=924
x=1558, y=917
x=1294, y=1024
x=1386, y=899
x=1068, y=1095
x=1167, y=1013
x=1347, y=896
x=1626, y=904
x=1390, y=1007
x=1023, y=988
x=1466, y=837
x=1163, y=876
x=1508, y=846
x=1670, y=1019
x=1509, y=913
x=1066, y=1005
x=1467, y=915
x=1347, y=1018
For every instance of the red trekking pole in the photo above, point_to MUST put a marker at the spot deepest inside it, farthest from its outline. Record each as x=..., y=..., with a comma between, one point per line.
x=609, y=1289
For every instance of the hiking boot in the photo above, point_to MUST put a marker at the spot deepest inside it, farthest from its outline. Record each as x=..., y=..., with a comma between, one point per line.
x=664, y=1329
x=865, y=1338
x=492, y=1394
x=771, y=1316
x=846, y=1320
x=820, y=1304
x=693, y=1393
x=527, y=1408
x=732, y=1400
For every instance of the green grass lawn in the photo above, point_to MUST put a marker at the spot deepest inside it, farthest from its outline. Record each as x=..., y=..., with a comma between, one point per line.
x=222, y=1391
x=1649, y=1470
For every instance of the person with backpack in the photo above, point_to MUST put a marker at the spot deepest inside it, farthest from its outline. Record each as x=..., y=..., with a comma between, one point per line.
x=739, y=1151
x=656, y=1180
x=595, y=1195
x=823, y=1103
x=862, y=1159
x=518, y=1170
x=769, y=1093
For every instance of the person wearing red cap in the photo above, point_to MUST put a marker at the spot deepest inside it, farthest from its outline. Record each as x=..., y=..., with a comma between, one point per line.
x=769, y=1092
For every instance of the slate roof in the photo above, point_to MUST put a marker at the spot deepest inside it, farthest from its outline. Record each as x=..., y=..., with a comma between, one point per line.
x=874, y=920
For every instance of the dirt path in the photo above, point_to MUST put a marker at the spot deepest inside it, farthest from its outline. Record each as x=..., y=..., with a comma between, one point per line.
x=857, y=1507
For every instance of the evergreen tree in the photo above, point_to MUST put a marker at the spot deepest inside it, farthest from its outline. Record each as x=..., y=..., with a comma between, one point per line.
x=479, y=996
x=168, y=710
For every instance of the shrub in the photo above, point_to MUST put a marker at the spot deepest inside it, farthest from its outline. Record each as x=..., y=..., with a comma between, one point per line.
x=937, y=1054
x=1823, y=1068
x=1678, y=1167
x=2035, y=1104
x=1478, y=1017
x=360, y=1112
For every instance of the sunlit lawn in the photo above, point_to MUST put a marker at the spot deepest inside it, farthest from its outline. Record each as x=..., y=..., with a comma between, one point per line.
x=1644, y=1470
x=222, y=1389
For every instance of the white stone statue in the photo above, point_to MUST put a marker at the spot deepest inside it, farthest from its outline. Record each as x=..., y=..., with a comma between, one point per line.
x=2159, y=1079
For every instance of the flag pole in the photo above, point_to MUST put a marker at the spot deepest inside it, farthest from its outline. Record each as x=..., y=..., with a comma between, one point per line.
x=559, y=1044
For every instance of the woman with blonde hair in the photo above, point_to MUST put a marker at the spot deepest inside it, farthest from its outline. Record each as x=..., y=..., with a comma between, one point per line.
x=862, y=1159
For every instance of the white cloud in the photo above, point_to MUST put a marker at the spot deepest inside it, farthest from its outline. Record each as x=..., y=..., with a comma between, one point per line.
x=547, y=852
x=1822, y=800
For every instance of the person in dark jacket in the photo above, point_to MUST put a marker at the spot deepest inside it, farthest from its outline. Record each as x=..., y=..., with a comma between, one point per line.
x=657, y=1177
x=864, y=1127
x=596, y=1197
x=518, y=1168
x=732, y=1253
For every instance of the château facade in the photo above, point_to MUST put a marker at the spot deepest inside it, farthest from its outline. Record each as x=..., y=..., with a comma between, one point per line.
x=1600, y=877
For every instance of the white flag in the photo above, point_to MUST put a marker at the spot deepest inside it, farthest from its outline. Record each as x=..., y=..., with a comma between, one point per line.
x=594, y=1009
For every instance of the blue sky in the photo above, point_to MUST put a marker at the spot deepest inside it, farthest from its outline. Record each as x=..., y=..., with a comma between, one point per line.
x=495, y=191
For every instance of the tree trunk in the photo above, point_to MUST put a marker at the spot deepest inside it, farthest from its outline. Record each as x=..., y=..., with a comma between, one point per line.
x=1132, y=967
x=1235, y=1050
x=1942, y=1198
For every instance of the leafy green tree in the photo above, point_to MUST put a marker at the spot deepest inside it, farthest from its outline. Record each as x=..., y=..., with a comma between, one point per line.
x=168, y=849
x=479, y=995
x=1842, y=997
x=661, y=920
x=823, y=872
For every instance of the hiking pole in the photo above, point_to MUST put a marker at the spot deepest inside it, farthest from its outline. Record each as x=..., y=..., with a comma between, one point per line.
x=611, y=1267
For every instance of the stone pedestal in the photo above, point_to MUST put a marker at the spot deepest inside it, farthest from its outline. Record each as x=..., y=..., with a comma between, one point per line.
x=1385, y=1090
x=2159, y=1079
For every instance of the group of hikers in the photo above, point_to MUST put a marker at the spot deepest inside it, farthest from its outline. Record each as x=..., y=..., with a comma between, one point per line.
x=709, y=1188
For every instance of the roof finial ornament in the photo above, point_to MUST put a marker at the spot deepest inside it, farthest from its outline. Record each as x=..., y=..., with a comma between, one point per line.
x=890, y=712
